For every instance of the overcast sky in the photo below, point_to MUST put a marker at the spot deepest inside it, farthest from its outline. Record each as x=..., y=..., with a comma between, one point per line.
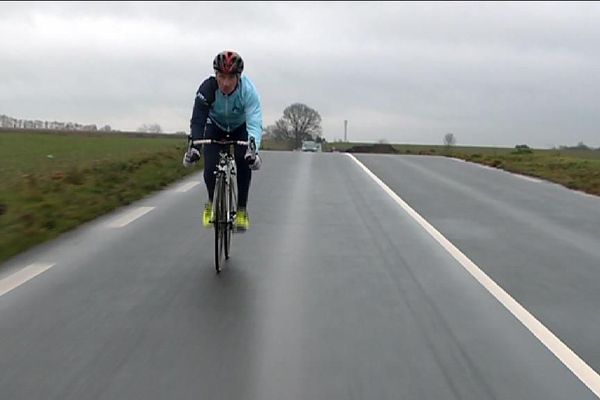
x=491, y=73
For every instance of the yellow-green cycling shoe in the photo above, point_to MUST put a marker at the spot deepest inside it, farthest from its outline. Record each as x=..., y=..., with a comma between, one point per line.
x=207, y=216
x=242, y=222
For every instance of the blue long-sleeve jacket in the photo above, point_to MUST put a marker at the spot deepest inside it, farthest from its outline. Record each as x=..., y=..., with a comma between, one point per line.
x=228, y=112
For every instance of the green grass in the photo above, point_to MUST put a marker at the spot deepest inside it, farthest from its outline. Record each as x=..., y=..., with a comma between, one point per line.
x=418, y=148
x=280, y=145
x=578, y=171
x=575, y=169
x=52, y=183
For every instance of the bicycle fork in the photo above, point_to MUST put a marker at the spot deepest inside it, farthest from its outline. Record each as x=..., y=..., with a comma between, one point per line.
x=230, y=181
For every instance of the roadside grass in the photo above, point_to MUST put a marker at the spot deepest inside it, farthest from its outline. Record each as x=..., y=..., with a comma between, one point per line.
x=575, y=171
x=572, y=168
x=52, y=183
x=279, y=145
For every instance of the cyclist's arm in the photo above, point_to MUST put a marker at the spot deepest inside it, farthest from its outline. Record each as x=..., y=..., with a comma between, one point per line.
x=253, y=113
x=205, y=96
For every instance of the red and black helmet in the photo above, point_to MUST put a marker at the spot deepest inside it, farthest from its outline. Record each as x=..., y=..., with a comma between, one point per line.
x=228, y=62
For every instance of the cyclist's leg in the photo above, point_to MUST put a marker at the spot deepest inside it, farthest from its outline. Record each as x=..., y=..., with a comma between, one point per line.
x=244, y=173
x=211, y=157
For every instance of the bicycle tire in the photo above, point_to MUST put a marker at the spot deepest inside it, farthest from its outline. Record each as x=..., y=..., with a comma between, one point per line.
x=228, y=223
x=231, y=210
x=220, y=224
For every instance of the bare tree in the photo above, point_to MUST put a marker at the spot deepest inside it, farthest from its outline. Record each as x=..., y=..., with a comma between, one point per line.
x=302, y=122
x=150, y=128
x=449, y=140
x=299, y=122
x=268, y=132
x=278, y=131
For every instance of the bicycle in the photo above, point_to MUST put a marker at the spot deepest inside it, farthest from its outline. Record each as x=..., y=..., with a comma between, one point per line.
x=224, y=199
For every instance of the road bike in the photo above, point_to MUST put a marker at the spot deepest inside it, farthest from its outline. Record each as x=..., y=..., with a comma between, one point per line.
x=224, y=199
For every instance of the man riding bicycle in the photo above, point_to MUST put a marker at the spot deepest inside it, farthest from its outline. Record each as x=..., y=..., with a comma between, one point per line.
x=227, y=107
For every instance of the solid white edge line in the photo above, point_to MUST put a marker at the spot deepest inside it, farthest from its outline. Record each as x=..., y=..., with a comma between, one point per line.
x=130, y=217
x=187, y=186
x=571, y=360
x=18, y=278
x=591, y=196
x=527, y=178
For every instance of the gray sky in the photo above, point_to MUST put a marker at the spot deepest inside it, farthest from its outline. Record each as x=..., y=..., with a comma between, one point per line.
x=491, y=73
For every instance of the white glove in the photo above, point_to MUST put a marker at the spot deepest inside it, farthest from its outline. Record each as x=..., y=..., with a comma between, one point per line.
x=251, y=157
x=254, y=164
x=191, y=157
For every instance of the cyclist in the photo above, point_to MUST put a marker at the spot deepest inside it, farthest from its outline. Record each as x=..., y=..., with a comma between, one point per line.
x=227, y=106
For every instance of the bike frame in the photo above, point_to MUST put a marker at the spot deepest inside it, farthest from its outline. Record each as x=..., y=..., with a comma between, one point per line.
x=225, y=198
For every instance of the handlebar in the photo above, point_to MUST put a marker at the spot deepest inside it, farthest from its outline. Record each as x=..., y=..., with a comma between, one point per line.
x=221, y=142
x=247, y=143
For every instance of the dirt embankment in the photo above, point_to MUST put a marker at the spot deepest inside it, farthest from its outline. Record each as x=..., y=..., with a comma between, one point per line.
x=373, y=148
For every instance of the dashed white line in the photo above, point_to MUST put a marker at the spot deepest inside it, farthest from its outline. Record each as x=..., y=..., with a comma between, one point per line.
x=130, y=217
x=18, y=278
x=571, y=360
x=186, y=187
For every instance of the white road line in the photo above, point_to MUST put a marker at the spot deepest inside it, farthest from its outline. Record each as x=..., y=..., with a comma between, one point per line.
x=18, y=278
x=130, y=217
x=186, y=187
x=591, y=196
x=527, y=178
x=571, y=360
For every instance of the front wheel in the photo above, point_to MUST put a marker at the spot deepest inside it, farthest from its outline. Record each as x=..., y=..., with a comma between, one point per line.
x=220, y=223
x=231, y=201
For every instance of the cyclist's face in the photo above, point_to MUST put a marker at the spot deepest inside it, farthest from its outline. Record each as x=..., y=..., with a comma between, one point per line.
x=227, y=82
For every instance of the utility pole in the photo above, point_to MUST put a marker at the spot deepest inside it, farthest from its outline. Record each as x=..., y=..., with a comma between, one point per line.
x=345, y=130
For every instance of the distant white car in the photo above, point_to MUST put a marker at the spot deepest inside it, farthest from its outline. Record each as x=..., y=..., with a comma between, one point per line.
x=309, y=145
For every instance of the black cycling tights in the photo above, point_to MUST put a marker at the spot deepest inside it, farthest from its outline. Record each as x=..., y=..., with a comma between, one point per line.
x=211, y=157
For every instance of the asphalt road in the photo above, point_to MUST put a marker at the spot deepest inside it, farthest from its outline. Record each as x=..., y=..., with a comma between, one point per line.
x=335, y=292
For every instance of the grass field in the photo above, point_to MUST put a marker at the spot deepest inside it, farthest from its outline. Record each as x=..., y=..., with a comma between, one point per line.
x=573, y=168
x=52, y=183
x=576, y=170
x=278, y=145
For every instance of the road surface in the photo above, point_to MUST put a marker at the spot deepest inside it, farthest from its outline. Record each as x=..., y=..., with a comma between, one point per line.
x=336, y=292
